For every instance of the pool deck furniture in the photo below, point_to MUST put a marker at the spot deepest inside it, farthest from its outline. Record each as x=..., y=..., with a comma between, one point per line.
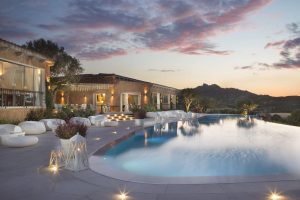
x=81, y=120
x=52, y=124
x=19, y=141
x=32, y=127
x=25, y=178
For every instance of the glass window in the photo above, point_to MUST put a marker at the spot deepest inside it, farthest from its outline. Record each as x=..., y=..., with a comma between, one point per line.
x=29, y=79
x=29, y=99
x=12, y=76
x=165, y=99
x=154, y=98
x=21, y=85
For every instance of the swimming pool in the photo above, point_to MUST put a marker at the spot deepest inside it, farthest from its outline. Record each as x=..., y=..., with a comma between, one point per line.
x=211, y=146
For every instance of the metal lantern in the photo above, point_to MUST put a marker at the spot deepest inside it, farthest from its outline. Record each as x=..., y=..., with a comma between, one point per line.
x=77, y=157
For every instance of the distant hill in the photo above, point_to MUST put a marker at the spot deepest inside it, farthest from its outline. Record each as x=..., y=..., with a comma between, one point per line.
x=229, y=98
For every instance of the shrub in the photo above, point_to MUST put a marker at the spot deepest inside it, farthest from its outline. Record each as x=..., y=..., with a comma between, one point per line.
x=276, y=118
x=294, y=118
x=150, y=108
x=68, y=130
x=138, y=112
x=35, y=115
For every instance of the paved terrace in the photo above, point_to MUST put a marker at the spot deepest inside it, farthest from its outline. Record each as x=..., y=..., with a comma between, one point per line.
x=22, y=176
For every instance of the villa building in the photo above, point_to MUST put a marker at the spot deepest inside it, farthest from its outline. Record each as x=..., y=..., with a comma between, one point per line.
x=115, y=93
x=23, y=74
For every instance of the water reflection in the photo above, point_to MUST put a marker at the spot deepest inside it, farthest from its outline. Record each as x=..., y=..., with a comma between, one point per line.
x=189, y=127
x=246, y=122
x=228, y=146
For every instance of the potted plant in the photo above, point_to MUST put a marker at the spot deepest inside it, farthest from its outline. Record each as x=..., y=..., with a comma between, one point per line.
x=139, y=114
x=68, y=130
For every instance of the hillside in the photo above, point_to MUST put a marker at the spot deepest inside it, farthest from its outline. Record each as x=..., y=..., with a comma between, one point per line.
x=229, y=98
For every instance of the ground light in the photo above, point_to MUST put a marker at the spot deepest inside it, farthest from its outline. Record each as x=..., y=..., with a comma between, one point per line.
x=275, y=196
x=123, y=196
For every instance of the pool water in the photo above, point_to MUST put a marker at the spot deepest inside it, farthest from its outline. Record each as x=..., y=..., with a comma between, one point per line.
x=214, y=145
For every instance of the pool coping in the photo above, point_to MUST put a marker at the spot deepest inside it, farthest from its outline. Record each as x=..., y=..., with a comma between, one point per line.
x=99, y=166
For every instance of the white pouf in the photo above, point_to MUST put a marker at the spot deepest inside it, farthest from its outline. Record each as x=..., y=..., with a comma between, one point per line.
x=97, y=119
x=19, y=141
x=110, y=123
x=52, y=124
x=151, y=114
x=80, y=120
x=8, y=128
x=33, y=127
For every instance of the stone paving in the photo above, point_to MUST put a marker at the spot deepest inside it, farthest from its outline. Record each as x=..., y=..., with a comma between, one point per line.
x=23, y=176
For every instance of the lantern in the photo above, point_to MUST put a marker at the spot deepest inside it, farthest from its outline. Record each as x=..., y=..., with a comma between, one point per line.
x=56, y=158
x=77, y=158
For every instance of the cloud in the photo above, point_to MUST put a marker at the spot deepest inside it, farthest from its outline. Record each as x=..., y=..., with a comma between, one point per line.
x=289, y=52
x=245, y=67
x=12, y=29
x=172, y=25
x=100, y=53
x=163, y=70
x=49, y=27
x=275, y=44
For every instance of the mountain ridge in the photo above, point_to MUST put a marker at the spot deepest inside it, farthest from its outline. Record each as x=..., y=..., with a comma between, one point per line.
x=230, y=97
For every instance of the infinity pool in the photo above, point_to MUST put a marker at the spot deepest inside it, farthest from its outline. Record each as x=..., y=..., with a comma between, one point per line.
x=214, y=145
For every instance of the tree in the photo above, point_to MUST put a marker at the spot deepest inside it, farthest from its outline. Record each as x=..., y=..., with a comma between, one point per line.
x=189, y=97
x=64, y=66
x=248, y=108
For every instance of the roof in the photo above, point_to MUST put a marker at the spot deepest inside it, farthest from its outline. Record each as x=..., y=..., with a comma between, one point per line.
x=111, y=79
x=25, y=50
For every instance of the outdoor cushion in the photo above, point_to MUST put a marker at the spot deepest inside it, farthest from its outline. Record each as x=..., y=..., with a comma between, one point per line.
x=19, y=141
x=110, y=123
x=80, y=120
x=151, y=114
x=52, y=124
x=33, y=127
x=9, y=128
x=97, y=118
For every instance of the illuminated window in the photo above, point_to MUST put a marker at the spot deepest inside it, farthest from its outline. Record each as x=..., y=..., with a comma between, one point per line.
x=100, y=98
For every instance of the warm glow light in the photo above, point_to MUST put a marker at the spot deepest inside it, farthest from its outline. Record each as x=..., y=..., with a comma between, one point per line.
x=53, y=168
x=78, y=149
x=275, y=196
x=123, y=196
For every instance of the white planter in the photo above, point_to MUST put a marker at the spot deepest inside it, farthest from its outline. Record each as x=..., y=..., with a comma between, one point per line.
x=139, y=122
x=65, y=146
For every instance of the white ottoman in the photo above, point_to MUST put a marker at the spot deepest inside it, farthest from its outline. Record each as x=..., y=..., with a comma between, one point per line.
x=33, y=127
x=80, y=120
x=151, y=114
x=110, y=123
x=52, y=124
x=19, y=141
x=8, y=128
x=97, y=119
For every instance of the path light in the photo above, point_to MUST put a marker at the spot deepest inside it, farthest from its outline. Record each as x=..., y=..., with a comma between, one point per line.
x=55, y=159
x=114, y=132
x=275, y=196
x=123, y=196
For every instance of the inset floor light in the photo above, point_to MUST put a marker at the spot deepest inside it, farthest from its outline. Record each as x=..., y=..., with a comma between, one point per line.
x=123, y=196
x=275, y=196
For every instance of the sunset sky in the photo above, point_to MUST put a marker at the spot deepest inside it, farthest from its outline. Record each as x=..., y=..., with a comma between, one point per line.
x=252, y=45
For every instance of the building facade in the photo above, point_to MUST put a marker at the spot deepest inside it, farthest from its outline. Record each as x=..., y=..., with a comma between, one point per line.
x=114, y=93
x=23, y=74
